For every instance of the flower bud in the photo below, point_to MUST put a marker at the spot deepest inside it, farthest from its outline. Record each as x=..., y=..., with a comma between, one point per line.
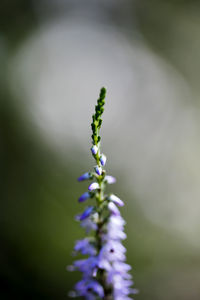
x=98, y=170
x=85, y=176
x=94, y=149
x=93, y=186
x=103, y=159
x=86, y=213
x=84, y=197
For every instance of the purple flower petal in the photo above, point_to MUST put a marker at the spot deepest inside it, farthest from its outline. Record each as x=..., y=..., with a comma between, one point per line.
x=117, y=221
x=116, y=200
x=121, y=267
x=115, y=234
x=112, y=251
x=85, y=247
x=104, y=264
x=97, y=288
x=113, y=209
x=110, y=179
x=87, y=265
x=88, y=225
x=89, y=289
x=115, y=228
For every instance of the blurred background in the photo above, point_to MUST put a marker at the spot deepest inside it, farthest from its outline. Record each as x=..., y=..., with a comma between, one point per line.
x=55, y=55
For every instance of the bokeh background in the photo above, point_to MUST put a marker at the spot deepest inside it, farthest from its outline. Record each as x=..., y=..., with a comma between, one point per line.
x=55, y=55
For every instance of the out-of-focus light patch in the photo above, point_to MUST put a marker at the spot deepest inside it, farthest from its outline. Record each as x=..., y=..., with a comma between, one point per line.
x=150, y=129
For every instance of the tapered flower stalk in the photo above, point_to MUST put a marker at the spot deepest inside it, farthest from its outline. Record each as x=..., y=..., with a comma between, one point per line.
x=104, y=271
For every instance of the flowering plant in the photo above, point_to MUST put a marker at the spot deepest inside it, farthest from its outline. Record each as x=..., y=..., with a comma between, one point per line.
x=104, y=271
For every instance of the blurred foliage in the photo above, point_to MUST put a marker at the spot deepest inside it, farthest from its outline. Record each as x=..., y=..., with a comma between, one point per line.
x=17, y=18
x=171, y=28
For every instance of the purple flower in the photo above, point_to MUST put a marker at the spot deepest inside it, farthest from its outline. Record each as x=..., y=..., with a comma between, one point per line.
x=86, y=221
x=113, y=209
x=116, y=200
x=85, y=247
x=115, y=234
x=84, y=197
x=93, y=186
x=112, y=251
x=117, y=221
x=89, y=289
x=121, y=267
x=110, y=179
x=121, y=286
x=103, y=263
x=87, y=266
x=115, y=228
x=103, y=159
x=85, y=176
x=94, y=149
x=98, y=170
x=88, y=225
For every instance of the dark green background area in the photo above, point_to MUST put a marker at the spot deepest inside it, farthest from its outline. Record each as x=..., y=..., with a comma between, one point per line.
x=39, y=190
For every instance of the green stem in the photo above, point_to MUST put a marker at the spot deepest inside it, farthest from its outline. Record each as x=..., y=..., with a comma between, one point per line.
x=102, y=273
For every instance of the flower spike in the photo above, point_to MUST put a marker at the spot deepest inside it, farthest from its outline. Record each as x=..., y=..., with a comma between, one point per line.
x=105, y=275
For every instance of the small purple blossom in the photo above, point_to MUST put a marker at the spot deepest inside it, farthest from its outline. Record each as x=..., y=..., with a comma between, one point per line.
x=89, y=289
x=116, y=200
x=87, y=266
x=87, y=220
x=103, y=159
x=113, y=251
x=85, y=247
x=98, y=170
x=121, y=287
x=93, y=186
x=85, y=176
x=110, y=179
x=119, y=266
x=113, y=209
x=87, y=212
x=115, y=228
x=88, y=225
x=84, y=197
x=94, y=149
